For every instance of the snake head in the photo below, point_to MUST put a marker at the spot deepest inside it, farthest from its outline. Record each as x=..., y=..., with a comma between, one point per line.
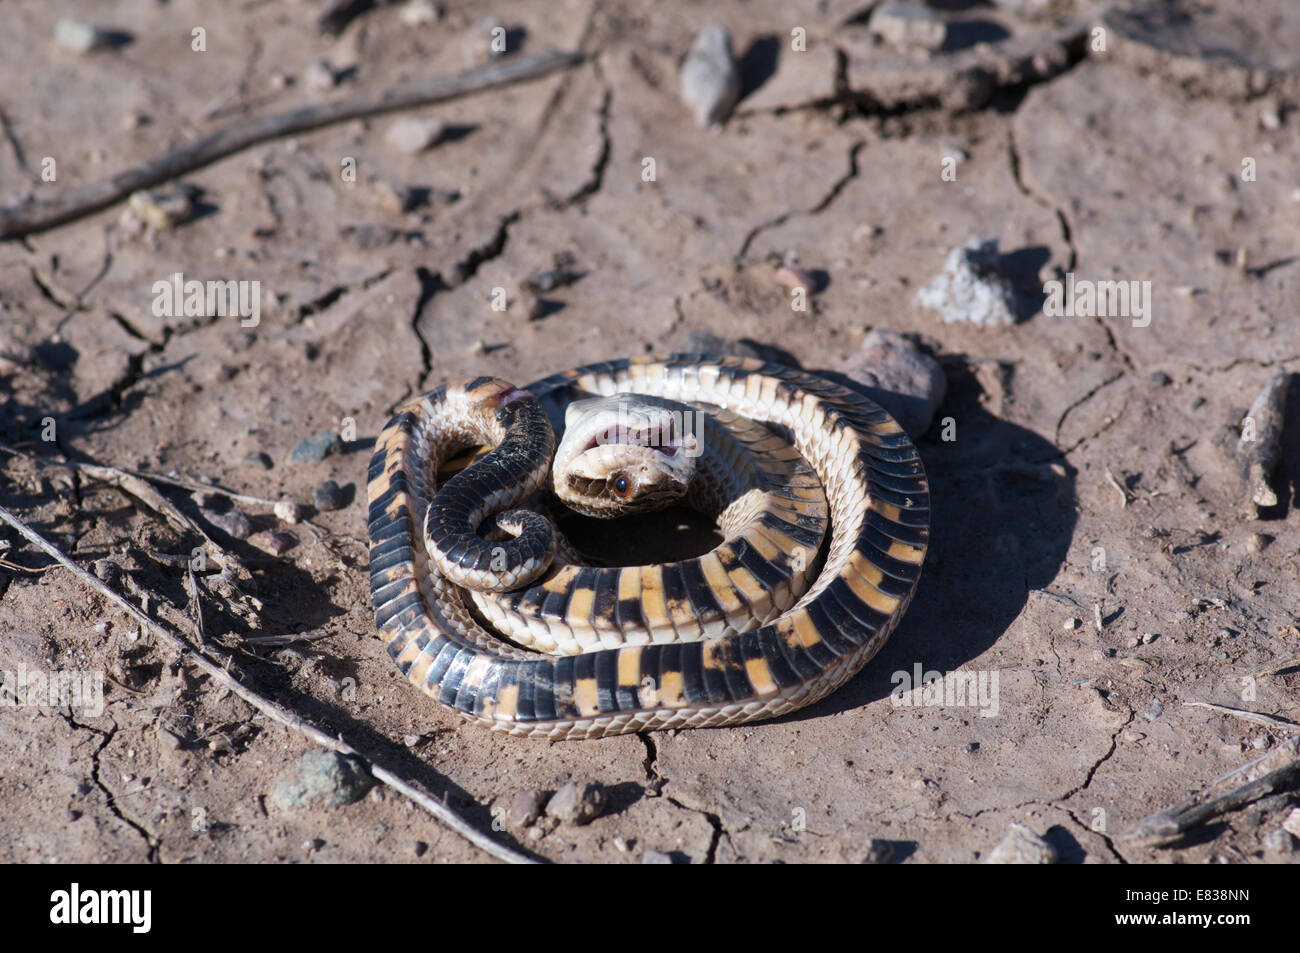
x=623, y=454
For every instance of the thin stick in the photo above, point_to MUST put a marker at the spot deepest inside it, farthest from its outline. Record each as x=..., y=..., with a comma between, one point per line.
x=1257, y=717
x=19, y=220
x=1123, y=493
x=269, y=708
x=1264, y=775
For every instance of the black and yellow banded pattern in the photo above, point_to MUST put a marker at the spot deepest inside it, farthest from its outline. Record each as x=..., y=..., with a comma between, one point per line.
x=879, y=507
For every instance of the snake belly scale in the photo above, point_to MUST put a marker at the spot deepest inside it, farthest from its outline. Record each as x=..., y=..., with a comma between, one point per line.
x=875, y=488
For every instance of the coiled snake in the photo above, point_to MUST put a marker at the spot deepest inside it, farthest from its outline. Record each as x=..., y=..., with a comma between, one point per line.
x=482, y=531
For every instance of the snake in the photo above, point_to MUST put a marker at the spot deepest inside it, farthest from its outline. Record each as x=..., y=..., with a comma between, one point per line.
x=434, y=542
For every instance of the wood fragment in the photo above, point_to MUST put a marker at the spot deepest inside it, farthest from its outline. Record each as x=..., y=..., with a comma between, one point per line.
x=1258, y=718
x=33, y=216
x=1263, y=776
x=218, y=672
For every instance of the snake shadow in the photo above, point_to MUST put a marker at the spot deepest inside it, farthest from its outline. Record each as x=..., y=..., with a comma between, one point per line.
x=1001, y=523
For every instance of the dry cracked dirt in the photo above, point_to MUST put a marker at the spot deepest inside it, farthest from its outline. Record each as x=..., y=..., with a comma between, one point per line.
x=1093, y=546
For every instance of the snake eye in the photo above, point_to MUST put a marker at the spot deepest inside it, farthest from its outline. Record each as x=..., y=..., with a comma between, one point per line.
x=621, y=486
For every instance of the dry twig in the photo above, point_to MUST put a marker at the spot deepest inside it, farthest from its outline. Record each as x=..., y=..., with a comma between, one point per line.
x=218, y=673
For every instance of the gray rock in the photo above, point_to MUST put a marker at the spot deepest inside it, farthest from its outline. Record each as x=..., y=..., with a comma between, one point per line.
x=323, y=778
x=878, y=852
x=317, y=448
x=1022, y=846
x=577, y=803
x=1279, y=841
x=233, y=522
x=275, y=542
x=258, y=459
x=970, y=288
x=329, y=496
x=900, y=377
x=710, y=79
x=162, y=209
x=655, y=857
x=906, y=25
x=526, y=807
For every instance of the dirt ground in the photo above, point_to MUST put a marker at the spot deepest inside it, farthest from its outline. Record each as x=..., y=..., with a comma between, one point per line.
x=1088, y=472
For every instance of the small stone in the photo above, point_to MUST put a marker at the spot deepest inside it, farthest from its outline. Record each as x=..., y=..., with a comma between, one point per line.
x=577, y=803
x=1071, y=624
x=1260, y=742
x=970, y=747
x=412, y=135
x=1257, y=542
x=1155, y=710
x=1292, y=822
x=528, y=306
x=392, y=197
x=257, y=458
x=1160, y=378
x=317, y=448
x=900, y=377
x=970, y=288
x=907, y=25
x=420, y=13
x=1270, y=117
x=273, y=542
x=370, y=236
x=790, y=278
x=526, y=807
x=163, y=208
x=78, y=37
x=328, y=496
x=1022, y=846
x=232, y=522
x=419, y=848
x=1133, y=737
x=710, y=79
x=1278, y=841
x=878, y=852
x=287, y=511
x=319, y=76
x=655, y=857
x=324, y=778
x=1149, y=637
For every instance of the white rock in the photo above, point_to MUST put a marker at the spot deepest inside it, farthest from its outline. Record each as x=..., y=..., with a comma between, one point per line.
x=970, y=289
x=411, y=135
x=420, y=12
x=907, y=25
x=79, y=37
x=710, y=79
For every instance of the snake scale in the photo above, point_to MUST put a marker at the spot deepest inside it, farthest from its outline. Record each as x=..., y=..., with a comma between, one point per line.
x=427, y=545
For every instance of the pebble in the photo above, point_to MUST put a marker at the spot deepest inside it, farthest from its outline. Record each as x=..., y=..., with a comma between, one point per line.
x=162, y=209
x=420, y=12
x=1022, y=846
x=1156, y=709
x=1071, y=624
x=577, y=803
x=80, y=37
x=907, y=25
x=526, y=807
x=324, y=778
x=257, y=458
x=412, y=135
x=1278, y=841
x=317, y=448
x=1257, y=542
x=790, y=278
x=319, y=76
x=329, y=496
x=1160, y=378
x=392, y=197
x=655, y=857
x=710, y=79
x=1292, y=822
x=970, y=289
x=1149, y=637
x=273, y=541
x=899, y=376
x=233, y=522
x=287, y=511
x=528, y=306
